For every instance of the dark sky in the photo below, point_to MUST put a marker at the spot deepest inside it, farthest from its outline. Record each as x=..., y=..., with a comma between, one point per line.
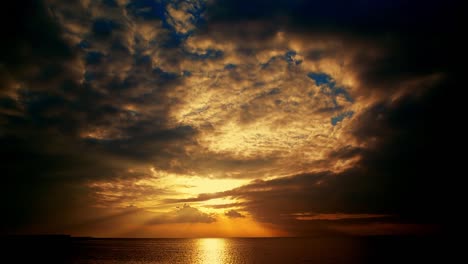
x=229, y=118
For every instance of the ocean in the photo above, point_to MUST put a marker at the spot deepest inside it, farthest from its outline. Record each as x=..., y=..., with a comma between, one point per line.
x=227, y=250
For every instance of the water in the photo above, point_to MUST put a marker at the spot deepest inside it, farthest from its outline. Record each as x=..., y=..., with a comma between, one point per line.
x=256, y=250
x=216, y=251
x=230, y=250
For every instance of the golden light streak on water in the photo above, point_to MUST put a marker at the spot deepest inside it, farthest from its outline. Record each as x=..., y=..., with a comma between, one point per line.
x=212, y=250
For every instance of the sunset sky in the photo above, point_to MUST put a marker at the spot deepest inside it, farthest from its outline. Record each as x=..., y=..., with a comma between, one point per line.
x=227, y=118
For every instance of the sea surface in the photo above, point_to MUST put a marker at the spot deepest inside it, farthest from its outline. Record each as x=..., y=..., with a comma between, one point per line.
x=225, y=250
x=254, y=250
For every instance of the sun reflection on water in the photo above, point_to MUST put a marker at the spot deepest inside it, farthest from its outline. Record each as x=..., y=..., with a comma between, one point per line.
x=212, y=250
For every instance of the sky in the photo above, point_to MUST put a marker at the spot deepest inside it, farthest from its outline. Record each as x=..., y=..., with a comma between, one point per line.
x=233, y=118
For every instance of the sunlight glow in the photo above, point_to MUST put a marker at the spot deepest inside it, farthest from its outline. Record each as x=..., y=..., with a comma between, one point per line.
x=212, y=250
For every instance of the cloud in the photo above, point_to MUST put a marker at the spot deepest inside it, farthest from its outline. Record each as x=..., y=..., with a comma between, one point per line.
x=185, y=214
x=383, y=181
x=233, y=214
x=335, y=216
x=334, y=107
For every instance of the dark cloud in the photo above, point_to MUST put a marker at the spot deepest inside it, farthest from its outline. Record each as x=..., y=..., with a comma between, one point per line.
x=33, y=50
x=224, y=206
x=233, y=214
x=409, y=140
x=103, y=27
x=185, y=214
x=31, y=40
x=413, y=38
x=146, y=9
x=58, y=132
x=360, y=16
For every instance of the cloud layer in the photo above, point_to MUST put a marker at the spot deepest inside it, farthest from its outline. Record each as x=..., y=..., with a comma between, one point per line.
x=305, y=117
